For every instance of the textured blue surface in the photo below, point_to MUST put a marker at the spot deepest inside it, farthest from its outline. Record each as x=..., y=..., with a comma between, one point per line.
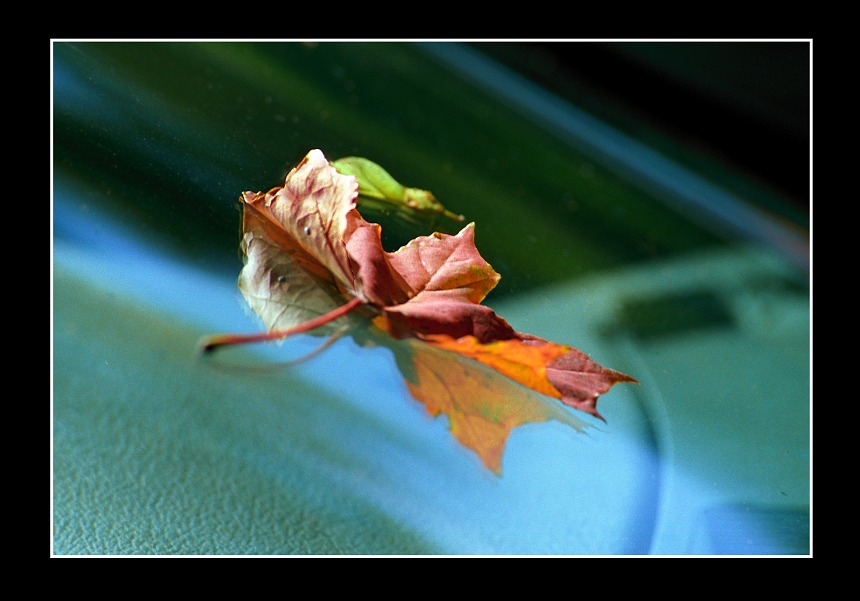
x=160, y=451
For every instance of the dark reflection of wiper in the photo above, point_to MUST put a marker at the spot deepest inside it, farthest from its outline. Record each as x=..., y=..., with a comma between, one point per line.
x=675, y=313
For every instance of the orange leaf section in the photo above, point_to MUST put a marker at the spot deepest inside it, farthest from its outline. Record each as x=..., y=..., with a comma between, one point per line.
x=519, y=360
x=552, y=369
x=482, y=405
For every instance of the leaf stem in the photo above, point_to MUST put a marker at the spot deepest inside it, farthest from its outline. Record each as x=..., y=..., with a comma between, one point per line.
x=210, y=343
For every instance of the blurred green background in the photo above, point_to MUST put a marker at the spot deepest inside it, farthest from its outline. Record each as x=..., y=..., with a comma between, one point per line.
x=653, y=246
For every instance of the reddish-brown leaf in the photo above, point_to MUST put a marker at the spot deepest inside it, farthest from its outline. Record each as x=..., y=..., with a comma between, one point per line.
x=312, y=258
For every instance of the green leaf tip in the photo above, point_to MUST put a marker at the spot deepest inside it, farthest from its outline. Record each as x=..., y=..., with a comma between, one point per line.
x=376, y=183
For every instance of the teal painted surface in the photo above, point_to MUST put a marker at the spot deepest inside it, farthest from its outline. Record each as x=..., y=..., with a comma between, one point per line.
x=158, y=452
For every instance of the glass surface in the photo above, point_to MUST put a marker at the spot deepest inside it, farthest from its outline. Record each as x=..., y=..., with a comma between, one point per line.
x=647, y=263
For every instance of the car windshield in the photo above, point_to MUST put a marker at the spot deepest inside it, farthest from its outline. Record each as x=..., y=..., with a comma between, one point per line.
x=629, y=198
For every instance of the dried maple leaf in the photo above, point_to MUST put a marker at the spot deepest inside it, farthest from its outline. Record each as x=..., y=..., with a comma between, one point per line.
x=311, y=258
